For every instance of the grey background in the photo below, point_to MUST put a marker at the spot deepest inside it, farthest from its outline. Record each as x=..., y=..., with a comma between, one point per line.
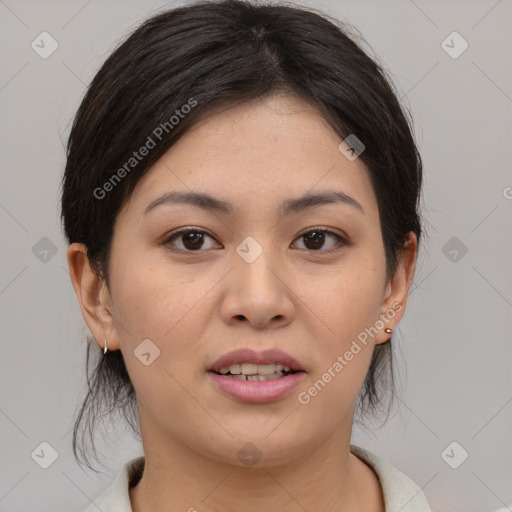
x=453, y=346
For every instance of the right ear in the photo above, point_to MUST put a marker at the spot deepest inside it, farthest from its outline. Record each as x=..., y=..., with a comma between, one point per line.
x=93, y=296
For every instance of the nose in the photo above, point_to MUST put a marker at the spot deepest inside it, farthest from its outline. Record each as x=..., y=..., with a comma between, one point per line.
x=259, y=293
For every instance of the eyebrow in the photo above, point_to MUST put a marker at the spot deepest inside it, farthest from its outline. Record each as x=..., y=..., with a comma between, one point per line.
x=290, y=206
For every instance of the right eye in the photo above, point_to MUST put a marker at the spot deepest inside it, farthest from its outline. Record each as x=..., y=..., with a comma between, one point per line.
x=191, y=239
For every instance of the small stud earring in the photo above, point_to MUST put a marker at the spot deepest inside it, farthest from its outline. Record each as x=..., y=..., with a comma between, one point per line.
x=388, y=330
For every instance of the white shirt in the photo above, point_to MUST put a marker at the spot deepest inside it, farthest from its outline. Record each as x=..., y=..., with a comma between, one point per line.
x=401, y=494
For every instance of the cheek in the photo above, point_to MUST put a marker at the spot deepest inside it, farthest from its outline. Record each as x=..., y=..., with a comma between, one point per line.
x=345, y=311
x=173, y=308
x=153, y=299
x=347, y=302
x=170, y=308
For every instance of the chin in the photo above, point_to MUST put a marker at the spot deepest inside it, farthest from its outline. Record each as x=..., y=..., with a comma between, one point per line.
x=252, y=448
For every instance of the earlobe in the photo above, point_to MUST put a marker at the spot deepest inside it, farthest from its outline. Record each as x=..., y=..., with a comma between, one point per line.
x=397, y=289
x=92, y=295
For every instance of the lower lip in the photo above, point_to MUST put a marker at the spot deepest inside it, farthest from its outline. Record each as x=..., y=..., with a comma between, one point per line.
x=257, y=391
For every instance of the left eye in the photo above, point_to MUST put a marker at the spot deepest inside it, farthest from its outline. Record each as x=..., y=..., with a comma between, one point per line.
x=316, y=237
x=193, y=239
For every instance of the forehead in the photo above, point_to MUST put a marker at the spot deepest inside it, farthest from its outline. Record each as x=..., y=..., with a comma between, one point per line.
x=257, y=155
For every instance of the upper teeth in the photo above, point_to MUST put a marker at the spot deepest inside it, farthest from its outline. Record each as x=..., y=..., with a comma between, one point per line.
x=254, y=369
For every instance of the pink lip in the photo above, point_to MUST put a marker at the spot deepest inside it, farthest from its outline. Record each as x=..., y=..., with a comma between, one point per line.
x=246, y=355
x=257, y=391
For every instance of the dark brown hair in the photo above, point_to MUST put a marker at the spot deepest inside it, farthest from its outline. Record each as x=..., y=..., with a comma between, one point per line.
x=210, y=55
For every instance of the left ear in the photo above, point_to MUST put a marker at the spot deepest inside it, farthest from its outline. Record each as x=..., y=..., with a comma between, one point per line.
x=397, y=289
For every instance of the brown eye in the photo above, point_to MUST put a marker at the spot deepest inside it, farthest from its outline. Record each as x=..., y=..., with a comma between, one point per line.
x=192, y=240
x=315, y=239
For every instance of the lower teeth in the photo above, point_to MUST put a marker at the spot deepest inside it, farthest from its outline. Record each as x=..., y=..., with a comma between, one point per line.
x=261, y=378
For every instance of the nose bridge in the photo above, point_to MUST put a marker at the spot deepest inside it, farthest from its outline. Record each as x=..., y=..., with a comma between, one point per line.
x=256, y=289
x=257, y=263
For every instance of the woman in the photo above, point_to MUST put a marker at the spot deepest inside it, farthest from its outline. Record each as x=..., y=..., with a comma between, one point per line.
x=241, y=201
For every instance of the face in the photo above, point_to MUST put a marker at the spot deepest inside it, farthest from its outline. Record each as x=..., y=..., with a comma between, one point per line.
x=309, y=280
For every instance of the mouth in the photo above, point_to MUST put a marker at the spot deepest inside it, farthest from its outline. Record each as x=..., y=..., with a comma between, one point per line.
x=257, y=377
x=246, y=364
x=256, y=372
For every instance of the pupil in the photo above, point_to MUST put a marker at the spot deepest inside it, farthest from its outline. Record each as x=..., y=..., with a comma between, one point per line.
x=195, y=237
x=317, y=237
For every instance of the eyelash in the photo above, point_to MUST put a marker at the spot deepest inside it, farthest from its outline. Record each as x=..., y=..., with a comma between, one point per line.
x=342, y=242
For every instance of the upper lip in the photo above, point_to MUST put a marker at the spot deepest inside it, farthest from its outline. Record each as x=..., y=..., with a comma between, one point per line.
x=247, y=355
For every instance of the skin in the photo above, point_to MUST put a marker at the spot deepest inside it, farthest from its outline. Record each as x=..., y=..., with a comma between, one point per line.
x=295, y=296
